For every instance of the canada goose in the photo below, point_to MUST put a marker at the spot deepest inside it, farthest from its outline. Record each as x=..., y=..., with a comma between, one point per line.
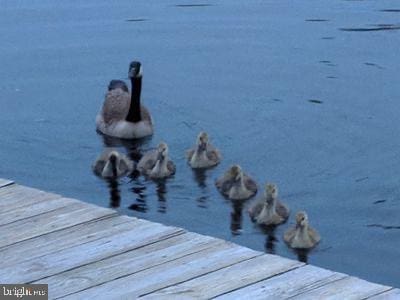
x=112, y=164
x=302, y=236
x=236, y=185
x=122, y=115
x=156, y=163
x=268, y=210
x=203, y=155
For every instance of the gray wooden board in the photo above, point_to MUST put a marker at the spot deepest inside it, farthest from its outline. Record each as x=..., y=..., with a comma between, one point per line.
x=65, y=238
x=51, y=221
x=392, y=294
x=38, y=208
x=228, y=279
x=14, y=196
x=76, y=256
x=5, y=182
x=170, y=273
x=286, y=285
x=127, y=263
x=347, y=288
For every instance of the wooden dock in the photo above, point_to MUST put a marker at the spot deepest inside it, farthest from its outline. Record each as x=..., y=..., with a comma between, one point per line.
x=83, y=251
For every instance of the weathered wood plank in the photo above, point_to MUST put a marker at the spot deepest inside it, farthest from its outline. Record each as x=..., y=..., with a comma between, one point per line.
x=347, y=288
x=65, y=238
x=15, y=196
x=38, y=208
x=67, y=259
x=392, y=294
x=51, y=221
x=127, y=263
x=286, y=285
x=5, y=182
x=170, y=273
x=228, y=279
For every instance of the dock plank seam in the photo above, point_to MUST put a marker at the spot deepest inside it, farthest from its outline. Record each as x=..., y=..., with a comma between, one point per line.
x=68, y=228
x=10, y=182
x=170, y=235
x=380, y=293
x=144, y=269
x=60, y=229
x=257, y=281
x=327, y=283
x=199, y=276
x=39, y=214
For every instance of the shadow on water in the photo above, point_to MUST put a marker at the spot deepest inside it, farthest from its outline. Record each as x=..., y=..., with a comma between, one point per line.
x=136, y=20
x=115, y=195
x=132, y=146
x=317, y=20
x=377, y=27
x=236, y=218
x=390, y=10
x=193, y=5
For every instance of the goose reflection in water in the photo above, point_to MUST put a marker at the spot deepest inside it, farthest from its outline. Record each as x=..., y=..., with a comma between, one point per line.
x=200, y=176
x=161, y=192
x=115, y=195
x=302, y=254
x=236, y=217
x=270, y=240
x=140, y=205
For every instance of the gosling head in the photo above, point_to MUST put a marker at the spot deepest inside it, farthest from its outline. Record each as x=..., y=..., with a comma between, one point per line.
x=236, y=172
x=113, y=157
x=202, y=141
x=301, y=219
x=135, y=70
x=271, y=193
x=162, y=150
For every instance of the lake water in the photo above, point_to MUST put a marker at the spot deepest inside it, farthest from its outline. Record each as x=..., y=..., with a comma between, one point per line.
x=301, y=93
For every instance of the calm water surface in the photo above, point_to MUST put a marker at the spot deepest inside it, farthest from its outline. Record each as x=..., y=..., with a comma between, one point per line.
x=301, y=93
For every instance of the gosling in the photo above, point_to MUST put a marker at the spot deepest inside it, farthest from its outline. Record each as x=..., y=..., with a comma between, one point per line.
x=302, y=236
x=112, y=164
x=268, y=210
x=156, y=164
x=236, y=185
x=203, y=155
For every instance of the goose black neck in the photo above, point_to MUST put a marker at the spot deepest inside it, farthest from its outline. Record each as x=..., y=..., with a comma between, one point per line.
x=134, y=114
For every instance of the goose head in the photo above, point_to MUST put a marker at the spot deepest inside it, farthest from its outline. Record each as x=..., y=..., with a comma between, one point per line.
x=271, y=193
x=135, y=70
x=117, y=84
x=202, y=141
x=162, y=151
x=301, y=219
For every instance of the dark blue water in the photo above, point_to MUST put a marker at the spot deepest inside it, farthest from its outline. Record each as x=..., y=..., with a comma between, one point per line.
x=301, y=93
